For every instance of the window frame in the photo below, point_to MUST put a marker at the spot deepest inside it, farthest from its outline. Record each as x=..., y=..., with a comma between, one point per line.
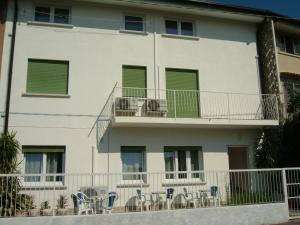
x=142, y=178
x=134, y=15
x=43, y=179
x=179, y=21
x=284, y=39
x=52, y=13
x=48, y=94
x=188, y=176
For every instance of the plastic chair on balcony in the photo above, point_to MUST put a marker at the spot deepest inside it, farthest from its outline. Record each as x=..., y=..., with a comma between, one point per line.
x=143, y=200
x=82, y=204
x=169, y=197
x=190, y=197
x=214, y=196
x=109, y=202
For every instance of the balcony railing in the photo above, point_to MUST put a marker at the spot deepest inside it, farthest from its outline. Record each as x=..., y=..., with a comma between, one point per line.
x=139, y=102
x=25, y=195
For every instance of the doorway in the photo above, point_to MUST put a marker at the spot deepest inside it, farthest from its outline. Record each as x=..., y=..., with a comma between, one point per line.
x=238, y=160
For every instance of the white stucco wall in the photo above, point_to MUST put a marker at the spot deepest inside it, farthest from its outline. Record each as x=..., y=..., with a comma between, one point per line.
x=224, y=55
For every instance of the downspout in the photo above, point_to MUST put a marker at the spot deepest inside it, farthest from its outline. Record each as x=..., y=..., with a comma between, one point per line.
x=10, y=69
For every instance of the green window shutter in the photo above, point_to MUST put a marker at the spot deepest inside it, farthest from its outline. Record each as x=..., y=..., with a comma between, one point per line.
x=47, y=77
x=40, y=149
x=134, y=81
x=182, y=93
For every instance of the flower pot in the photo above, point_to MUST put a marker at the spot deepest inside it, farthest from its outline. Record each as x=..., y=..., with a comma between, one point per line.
x=47, y=212
x=21, y=213
x=62, y=212
x=33, y=212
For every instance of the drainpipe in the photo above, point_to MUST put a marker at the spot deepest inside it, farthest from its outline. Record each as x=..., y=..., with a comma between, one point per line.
x=10, y=69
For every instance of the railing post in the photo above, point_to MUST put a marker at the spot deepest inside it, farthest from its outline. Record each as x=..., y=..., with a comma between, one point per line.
x=141, y=186
x=54, y=180
x=228, y=105
x=174, y=98
x=284, y=183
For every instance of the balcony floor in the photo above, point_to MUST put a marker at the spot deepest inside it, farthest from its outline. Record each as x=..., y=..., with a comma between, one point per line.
x=132, y=121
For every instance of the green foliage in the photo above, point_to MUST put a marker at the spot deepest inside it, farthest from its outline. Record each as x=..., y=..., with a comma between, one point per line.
x=249, y=198
x=268, y=150
x=62, y=202
x=280, y=147
x=45, y=205
x=290, y=145
x=9, y=150
x=294, y=103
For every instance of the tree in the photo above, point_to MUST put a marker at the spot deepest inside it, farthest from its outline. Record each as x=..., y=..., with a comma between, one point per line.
x=9, y=185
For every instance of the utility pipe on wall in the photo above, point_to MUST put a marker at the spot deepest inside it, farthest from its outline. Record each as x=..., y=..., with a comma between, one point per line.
x=10, y=69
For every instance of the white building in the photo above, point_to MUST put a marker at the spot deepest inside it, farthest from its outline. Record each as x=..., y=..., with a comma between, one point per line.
x=178, y=84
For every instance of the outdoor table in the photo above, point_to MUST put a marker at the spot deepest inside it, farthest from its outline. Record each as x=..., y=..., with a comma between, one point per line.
x=97, y=203
x=157, y=194
x=203, y=194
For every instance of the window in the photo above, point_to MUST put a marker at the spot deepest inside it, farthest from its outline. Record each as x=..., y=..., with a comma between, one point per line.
x=183, y=161
x=61, y=16
x=42, y=14
x=135, y=23
x=43, y=160
x=133, y=161
x=47, y=77
x=52, y=15
x=288, y=44
x=171, y=27
x=134, y=81
x=178, y=27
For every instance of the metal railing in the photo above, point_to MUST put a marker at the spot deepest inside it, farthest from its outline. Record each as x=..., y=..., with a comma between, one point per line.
x=26, y=195
x=293, y=191
x=142, y=102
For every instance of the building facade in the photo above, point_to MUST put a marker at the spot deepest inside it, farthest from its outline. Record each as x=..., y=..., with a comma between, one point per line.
x=288, y=53
x=139, y=86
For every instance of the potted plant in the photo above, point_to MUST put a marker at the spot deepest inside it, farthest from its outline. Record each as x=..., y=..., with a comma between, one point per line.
x=31, y=207
x=62, y=203
x=46, y=209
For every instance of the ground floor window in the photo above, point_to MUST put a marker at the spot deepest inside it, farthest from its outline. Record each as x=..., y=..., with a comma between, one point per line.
x=43, y=160
x=133, y=162
x=185, y=162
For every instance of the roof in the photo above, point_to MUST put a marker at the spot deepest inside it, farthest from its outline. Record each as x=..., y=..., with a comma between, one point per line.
x=238, y=9
x=289, y=74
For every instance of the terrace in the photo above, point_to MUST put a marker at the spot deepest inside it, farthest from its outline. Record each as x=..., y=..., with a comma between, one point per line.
x=89, y=194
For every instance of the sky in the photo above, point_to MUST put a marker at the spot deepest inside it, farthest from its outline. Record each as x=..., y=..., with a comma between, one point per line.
x=286, y=7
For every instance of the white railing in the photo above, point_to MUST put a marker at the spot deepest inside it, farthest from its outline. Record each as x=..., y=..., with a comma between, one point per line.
x=293, y=191
x=194, y=104
x=26, y=195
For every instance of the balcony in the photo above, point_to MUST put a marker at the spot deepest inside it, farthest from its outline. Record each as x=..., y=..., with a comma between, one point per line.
x=138, y=107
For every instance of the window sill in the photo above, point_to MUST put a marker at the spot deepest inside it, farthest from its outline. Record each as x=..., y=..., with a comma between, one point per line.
x=45, y=95
x=132, y=185
x=289, y=54
x=174, y=183
x=134, y=32
x=181, y=36
x=37, y=23
x=43, y=187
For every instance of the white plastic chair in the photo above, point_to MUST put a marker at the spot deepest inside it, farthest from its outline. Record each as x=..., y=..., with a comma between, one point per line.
x=109, y=202
x=143, y=200
x=82, y=203
x=190, y=197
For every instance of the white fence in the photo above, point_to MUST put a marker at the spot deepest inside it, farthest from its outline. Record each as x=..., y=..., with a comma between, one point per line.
x=53, y=194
